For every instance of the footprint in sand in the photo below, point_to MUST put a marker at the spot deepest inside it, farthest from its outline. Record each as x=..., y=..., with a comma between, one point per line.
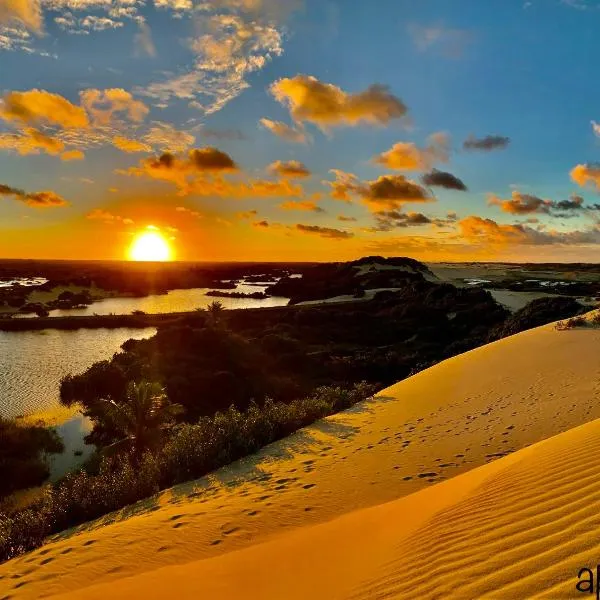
x=425, y=475
x=89, y=542
x=309, y=485
x=215, y=542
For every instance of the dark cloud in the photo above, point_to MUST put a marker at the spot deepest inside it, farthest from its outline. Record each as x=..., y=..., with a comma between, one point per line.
x=344, y=218
x=211, y=159
x=290, y=169
x=445, y=180
x=390, y=191
x=486, y=143
x=326, y=232
x=261, y=224
x=44, y=199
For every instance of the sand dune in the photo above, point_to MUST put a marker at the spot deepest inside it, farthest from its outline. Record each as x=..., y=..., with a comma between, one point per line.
x=284, y=523
x=521, y=527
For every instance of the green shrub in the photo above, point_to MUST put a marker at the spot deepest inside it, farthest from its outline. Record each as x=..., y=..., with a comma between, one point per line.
x=191, y=451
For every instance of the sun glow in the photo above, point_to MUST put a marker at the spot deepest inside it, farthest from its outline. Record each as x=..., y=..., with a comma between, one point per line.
x=150, y=246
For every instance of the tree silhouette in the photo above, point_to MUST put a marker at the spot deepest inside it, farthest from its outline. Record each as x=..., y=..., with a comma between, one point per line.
x=142, y=418
x=215, y=312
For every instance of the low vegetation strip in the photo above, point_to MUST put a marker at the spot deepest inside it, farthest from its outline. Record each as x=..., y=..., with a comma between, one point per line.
x=190, y=451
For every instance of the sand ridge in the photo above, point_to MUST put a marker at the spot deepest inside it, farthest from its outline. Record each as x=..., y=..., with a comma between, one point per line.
x=460, y=414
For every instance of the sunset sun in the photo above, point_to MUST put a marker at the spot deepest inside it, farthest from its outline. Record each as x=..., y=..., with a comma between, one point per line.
x=150, y=246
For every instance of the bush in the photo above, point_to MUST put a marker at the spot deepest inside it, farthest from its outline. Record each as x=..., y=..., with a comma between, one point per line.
x=191, y=452
x=571, y=323
x=24, y=451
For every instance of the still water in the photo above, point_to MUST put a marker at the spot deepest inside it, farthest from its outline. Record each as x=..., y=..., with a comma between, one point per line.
x=174, y=301
x=32, y=363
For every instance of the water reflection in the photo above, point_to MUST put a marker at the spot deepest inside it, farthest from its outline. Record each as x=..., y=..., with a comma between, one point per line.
x=174, y=301
x=32, y=363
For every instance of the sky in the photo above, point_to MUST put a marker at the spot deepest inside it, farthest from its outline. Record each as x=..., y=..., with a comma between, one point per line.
x=301, y=129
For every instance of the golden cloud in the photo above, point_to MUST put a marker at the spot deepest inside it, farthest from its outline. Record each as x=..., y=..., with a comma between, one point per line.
x=290, y=169
x=406, y=156
x=285, y=132
x=28, y=12
x=99, y=214
x=387, y=192
x=30, y=141
x=103, y=105
x=38, y=107
x=201, y=172
x=327, y=105
x=586, y=174
x=305, y=205
x=72, y=155
x=130, y=146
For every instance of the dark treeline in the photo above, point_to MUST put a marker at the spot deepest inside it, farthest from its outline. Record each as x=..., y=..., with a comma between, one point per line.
x=142, y=278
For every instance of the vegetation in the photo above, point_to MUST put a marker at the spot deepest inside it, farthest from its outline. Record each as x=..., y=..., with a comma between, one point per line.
x=537, y=312
x=24, y=452
x=190, y=451
x=141, y=420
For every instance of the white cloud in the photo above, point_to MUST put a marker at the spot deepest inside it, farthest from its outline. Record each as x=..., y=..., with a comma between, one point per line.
x=237, y=40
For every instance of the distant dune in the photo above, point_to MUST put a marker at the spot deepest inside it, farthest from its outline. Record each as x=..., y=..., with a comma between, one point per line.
x=390, y=499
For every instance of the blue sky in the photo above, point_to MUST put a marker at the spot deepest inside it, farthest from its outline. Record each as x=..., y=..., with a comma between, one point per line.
x=184, y=75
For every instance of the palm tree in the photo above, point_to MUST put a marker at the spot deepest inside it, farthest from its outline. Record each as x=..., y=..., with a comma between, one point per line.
x=142, y=418
x=215, y=311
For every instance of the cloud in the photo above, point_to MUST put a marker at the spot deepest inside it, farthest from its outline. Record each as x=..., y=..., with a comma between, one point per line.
x=525, y=204
x=306, y=205
x=326, y=105
x=387, y=192
x=130, y=146
x=103, y=105
x=393, y=219
x=45, y=199
x=326, y=232
x=166, y=138
x=406, y=156
x=586, y=174
x=248, y=214
x=180, y=169
x=201, y=172
x=476, y=229
x=72, y=155
x=235, y=40
x=486, y=143
x=285, y=132
x=99, y=214
x=289, y=169
x=189, y=211
x=445, y=180
x=391, y=191
x=449, y=42
x=39, y=107
x=263, y=223
x=143, y=43
x=344, y=186
x=345, y=219
x=26, y=12
x=30, y=141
